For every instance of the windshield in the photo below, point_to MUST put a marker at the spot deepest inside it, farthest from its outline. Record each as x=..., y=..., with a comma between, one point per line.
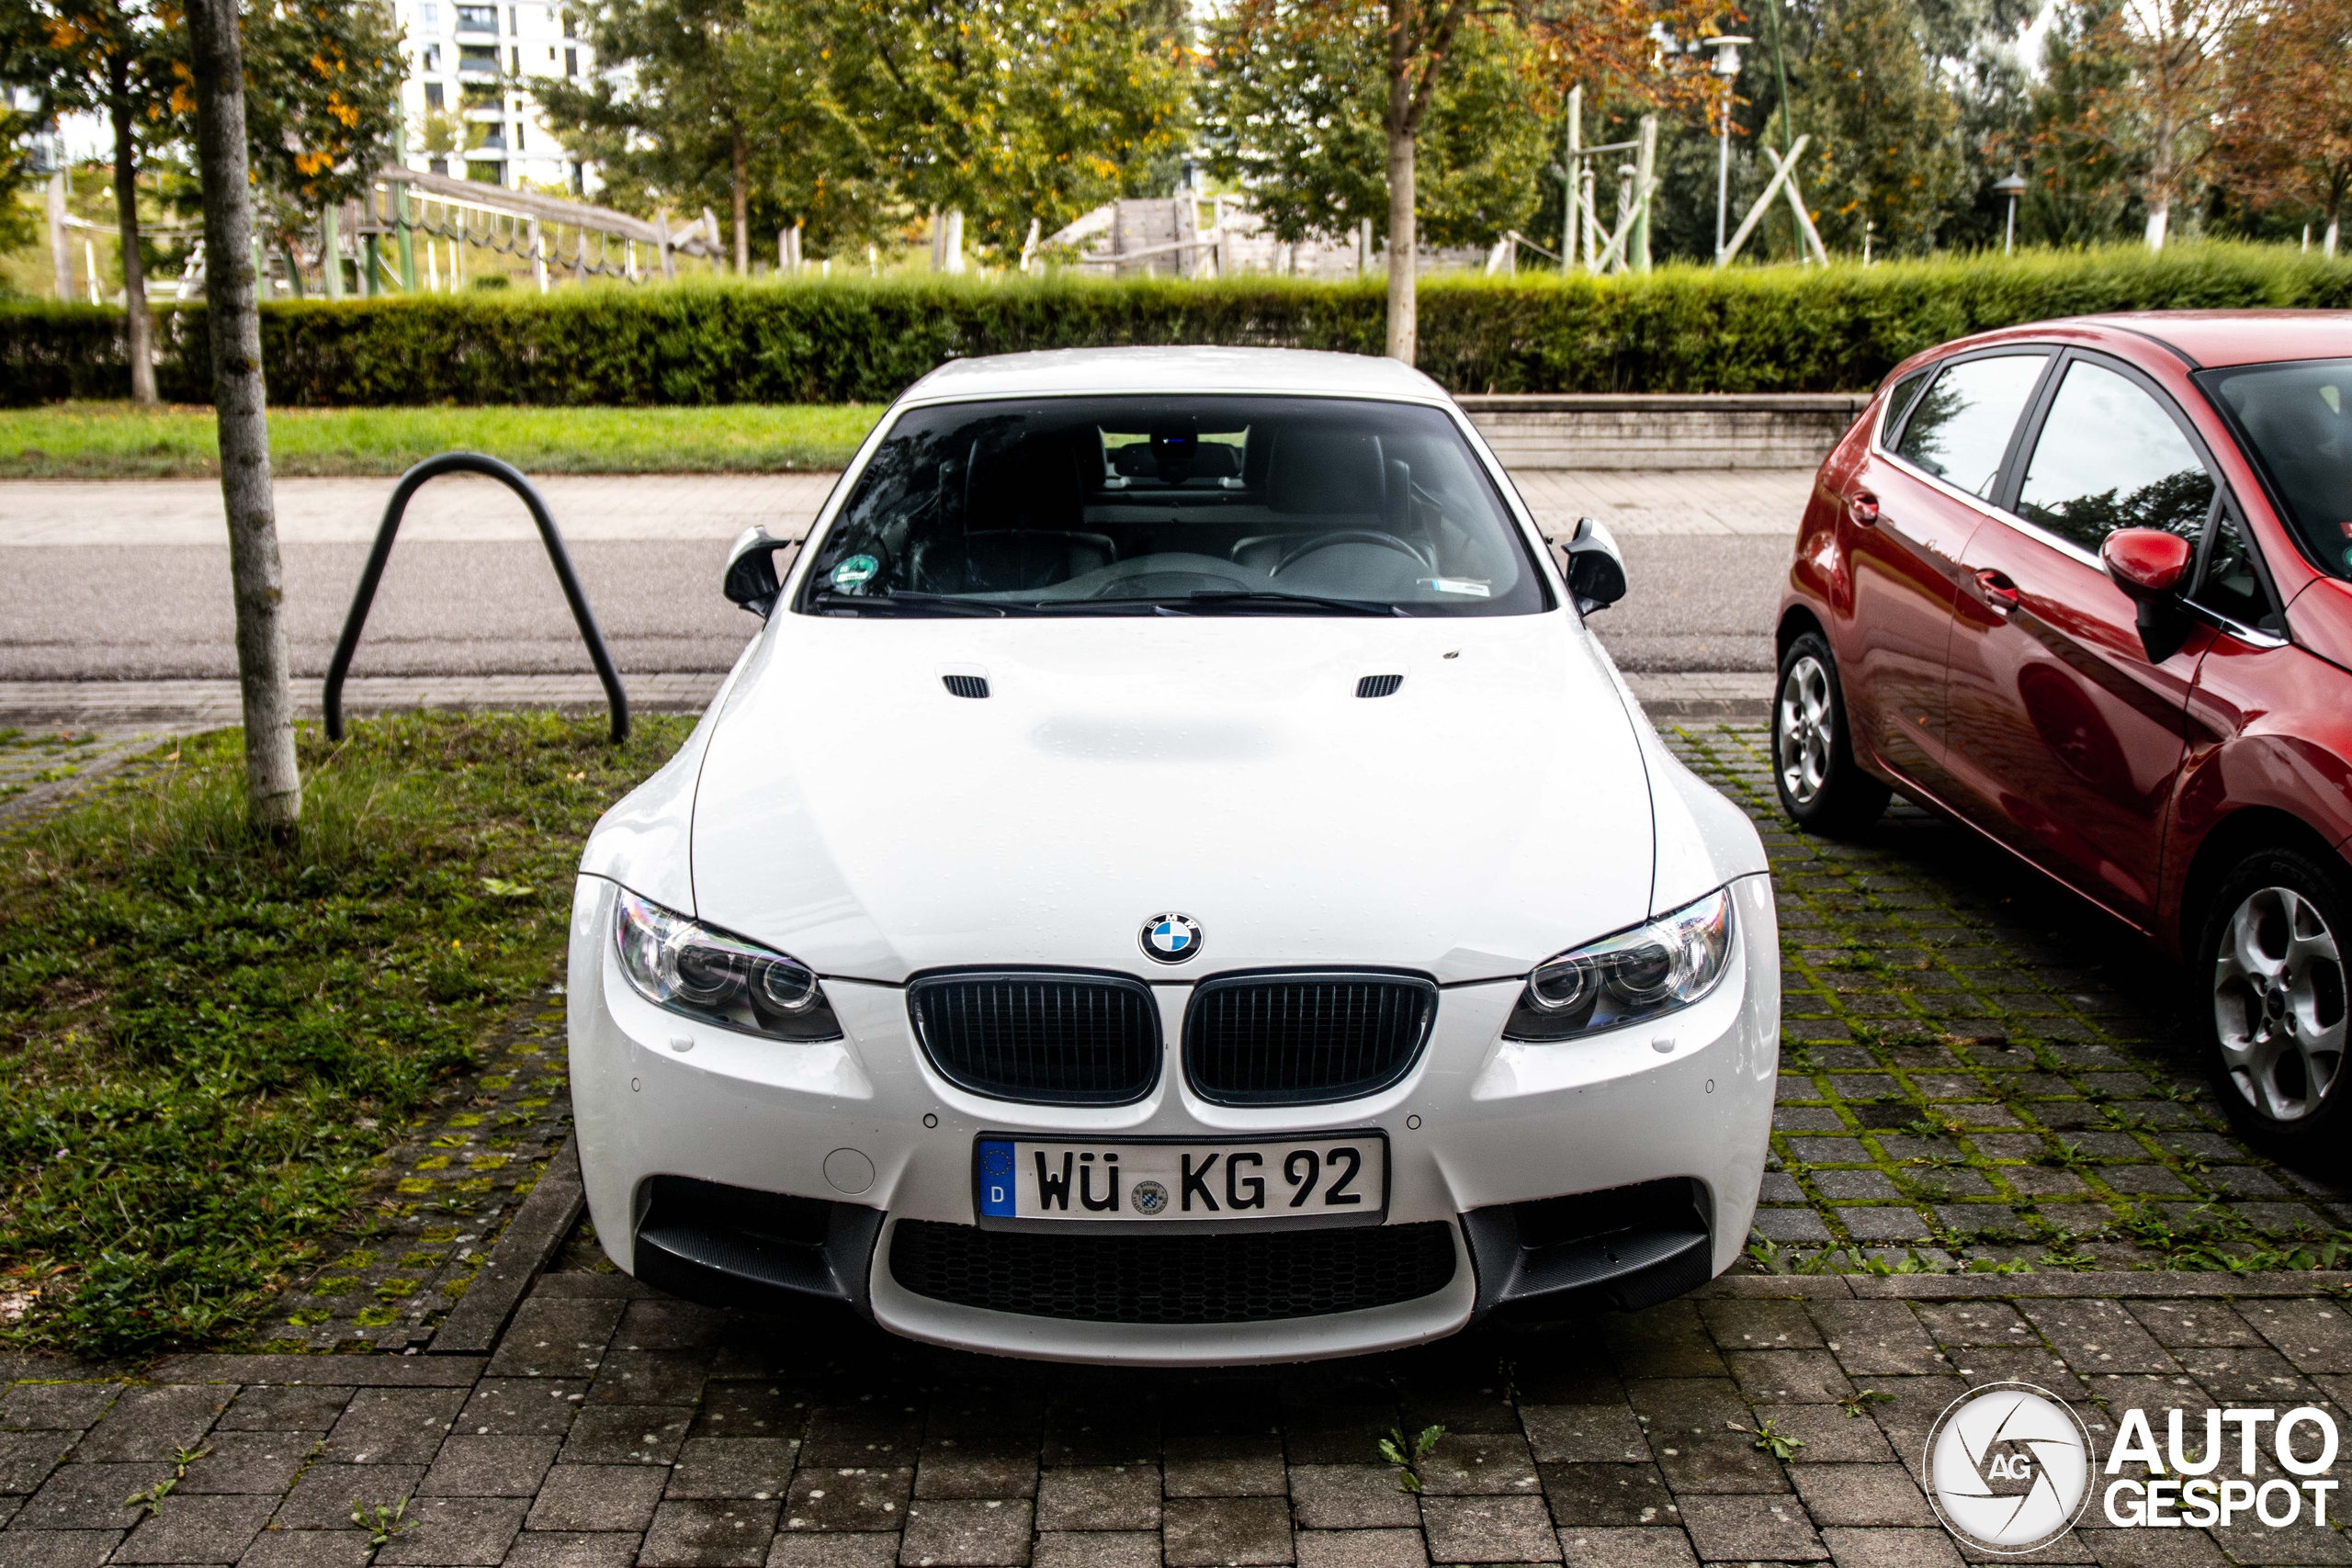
x=1174, y=505
x=2297, y=418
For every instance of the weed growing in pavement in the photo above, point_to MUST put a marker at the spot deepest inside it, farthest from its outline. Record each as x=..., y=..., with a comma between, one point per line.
x=2064, y=1155
x=382, y=1522
x=1407, y=1454
x=1770, y=1438
x=150, y=1499
x=207, y=1039
x=1857, y=1404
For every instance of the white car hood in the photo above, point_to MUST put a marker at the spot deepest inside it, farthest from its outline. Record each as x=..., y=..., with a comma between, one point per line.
x=852, y=813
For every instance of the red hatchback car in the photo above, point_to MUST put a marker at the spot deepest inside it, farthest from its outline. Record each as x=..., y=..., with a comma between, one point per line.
x=2086, y=587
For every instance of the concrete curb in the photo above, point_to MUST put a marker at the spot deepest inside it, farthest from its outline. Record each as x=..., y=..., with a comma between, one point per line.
x=530, y=1240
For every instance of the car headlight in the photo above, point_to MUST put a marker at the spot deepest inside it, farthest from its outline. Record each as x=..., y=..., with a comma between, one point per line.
x=690, y=969
x=1637, y=975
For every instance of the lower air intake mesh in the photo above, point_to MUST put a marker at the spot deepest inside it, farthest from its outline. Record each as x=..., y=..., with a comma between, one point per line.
x=1054, y=1039
x=1227, y=1276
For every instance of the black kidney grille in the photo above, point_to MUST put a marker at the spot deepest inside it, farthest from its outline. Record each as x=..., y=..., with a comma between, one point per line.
x=966, y=685
x=1379, y=685
x=1062, y=1039
x=1217, y=1277
x=1300, y=1039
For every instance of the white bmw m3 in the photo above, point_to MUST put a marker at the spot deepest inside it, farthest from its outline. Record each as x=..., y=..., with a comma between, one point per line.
x=1174, y=881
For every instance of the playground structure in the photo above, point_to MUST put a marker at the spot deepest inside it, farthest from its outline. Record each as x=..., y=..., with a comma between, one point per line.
x=420, y=232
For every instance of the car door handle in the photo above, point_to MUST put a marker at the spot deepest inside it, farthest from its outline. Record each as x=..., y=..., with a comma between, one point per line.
x=1862, y=506
x=1998, y=591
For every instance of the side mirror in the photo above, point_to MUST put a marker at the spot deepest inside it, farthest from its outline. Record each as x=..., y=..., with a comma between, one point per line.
x=2151, y=567
x=1596, y=570
x=751, y=579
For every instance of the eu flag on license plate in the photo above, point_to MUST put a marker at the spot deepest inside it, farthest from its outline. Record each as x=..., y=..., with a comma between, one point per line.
x=996, y=1178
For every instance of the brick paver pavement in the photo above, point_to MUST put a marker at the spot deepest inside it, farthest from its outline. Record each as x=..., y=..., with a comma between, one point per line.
x=613, y=1426
x=1980, y=1077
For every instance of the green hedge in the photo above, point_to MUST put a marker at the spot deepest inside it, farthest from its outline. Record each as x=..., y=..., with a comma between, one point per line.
x=1678, y=330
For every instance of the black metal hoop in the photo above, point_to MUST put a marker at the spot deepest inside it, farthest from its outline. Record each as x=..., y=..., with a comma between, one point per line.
x=511, y=477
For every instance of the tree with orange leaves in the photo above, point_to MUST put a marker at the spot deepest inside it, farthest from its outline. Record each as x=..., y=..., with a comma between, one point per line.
x=323, y=80
x=111, y=58
x=1412, y=49
x=2287, y=138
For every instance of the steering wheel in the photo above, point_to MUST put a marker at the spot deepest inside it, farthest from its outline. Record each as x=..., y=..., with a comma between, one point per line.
x=1347, y=537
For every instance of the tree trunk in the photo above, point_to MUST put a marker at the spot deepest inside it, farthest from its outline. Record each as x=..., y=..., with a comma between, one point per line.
x=61, y=253
x=139, y=327
x=1404, y=313
x=2160, y=183
x=743, y=183
x=273, y=779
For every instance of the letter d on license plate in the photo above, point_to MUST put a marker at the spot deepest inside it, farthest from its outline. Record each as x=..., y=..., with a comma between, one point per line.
x=1330, y=1179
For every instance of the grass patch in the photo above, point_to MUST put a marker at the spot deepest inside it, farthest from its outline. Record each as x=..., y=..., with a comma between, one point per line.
x=208, y=1041
x=112, y=441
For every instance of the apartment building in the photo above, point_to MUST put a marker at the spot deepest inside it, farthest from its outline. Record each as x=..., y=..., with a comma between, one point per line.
x=473, y=61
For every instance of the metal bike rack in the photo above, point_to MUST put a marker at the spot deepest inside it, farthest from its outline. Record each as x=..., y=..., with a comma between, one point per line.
x=511, y=477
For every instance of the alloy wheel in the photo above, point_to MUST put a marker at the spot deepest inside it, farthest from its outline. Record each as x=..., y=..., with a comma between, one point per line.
x=1808, y=726
x=2279, y=1003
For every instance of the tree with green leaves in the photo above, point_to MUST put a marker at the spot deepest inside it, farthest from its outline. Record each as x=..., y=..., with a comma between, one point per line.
x=684, y=107
x=111, y=58
x=1298, y=117
x=1025, y=112
x=1413, y=53
x=1886, y=150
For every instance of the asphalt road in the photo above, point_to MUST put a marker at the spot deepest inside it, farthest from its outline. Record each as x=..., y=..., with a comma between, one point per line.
x=470, y=593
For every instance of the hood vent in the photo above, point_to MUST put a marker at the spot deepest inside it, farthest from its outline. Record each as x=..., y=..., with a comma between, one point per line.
x=966, y=685
x=1379, y=685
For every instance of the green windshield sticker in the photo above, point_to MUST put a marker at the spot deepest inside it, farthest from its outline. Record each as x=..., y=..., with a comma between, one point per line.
x=854, y=569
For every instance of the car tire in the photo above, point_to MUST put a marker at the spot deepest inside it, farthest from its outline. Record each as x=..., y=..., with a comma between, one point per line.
x=2270, y=991
x=1821, y=788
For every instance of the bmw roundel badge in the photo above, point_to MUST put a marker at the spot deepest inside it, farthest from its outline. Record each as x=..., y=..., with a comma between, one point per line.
x=1170, y=939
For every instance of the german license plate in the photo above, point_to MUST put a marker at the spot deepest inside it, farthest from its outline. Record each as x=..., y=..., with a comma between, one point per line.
x=1327, y=1180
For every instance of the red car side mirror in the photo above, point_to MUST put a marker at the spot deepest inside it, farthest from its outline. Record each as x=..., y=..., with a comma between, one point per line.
x=2147, y=563
x=2151, y=565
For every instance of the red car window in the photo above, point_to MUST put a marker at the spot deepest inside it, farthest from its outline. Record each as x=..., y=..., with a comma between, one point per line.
x=1961, y=428
x=2109, y=456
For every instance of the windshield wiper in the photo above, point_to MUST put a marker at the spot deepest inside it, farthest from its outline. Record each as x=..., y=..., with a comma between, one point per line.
x=1243, y=598
x=903, y=604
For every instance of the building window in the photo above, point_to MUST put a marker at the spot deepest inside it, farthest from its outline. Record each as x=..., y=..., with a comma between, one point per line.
x=431, y=57
x=433, y=99
x=478, y=19
x=513, y=27
x=514, y=61
x=571, y=26
x=428, y=16
x=572, y=62
x=519, y=136
x=478, y=57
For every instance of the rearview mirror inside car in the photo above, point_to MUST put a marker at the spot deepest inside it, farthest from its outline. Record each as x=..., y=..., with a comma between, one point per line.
x=1596, y=570
x=752, y=581
x=2151, y=567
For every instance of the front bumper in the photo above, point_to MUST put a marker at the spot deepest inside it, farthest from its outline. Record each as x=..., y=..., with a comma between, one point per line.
x=1670, y=1142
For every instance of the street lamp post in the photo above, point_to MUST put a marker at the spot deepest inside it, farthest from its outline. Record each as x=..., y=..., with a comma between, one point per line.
x=2011, y=186
x=1727, y=68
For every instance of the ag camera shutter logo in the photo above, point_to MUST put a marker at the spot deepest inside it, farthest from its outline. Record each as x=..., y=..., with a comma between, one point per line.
x=2009, y=1468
